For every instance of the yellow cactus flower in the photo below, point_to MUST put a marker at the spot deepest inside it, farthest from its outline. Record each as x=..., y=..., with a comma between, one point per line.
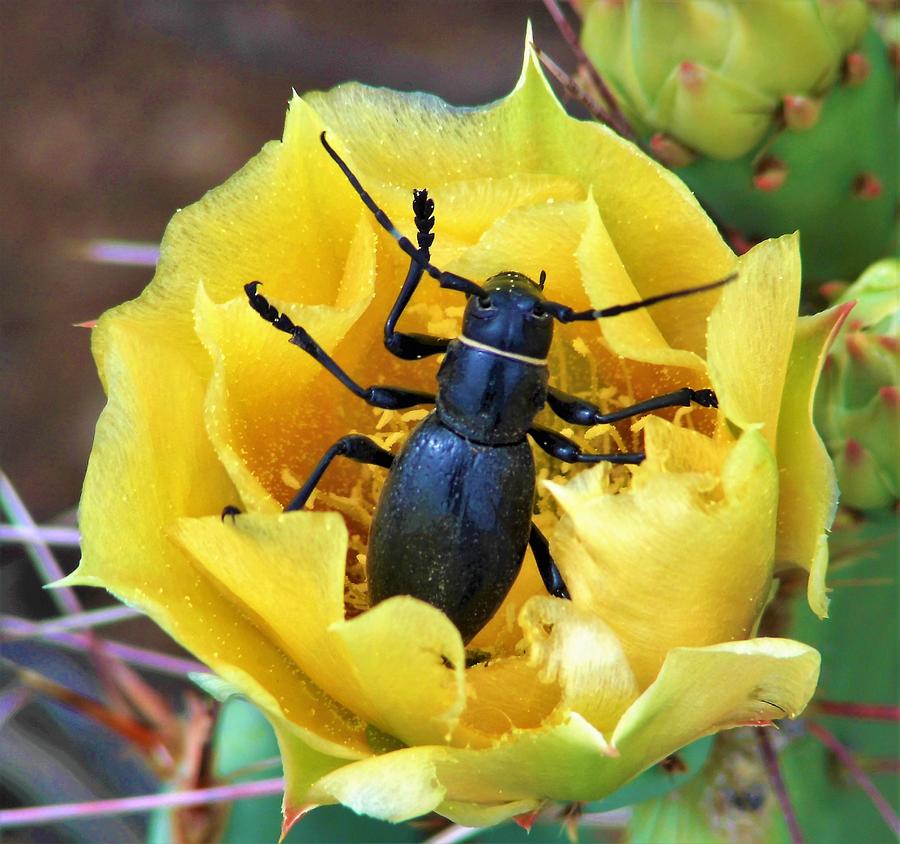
x=669, y=563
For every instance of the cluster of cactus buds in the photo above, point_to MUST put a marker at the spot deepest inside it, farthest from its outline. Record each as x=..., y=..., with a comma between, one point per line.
x=777, y=114
x=858, y=402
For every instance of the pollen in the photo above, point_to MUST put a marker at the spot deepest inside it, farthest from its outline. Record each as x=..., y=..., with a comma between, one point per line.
x=289, y=479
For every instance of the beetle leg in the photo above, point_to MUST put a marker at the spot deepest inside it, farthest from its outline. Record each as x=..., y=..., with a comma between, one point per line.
x=356, y=447
x=391, y=398
x=414, y=346
x=562, y=448
x=580, y=412
x=447, y=280
x=553, y=580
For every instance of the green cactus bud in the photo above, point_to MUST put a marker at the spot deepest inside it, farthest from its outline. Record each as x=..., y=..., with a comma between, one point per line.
x=788, y=105
x=713, y=75
x=858, y=402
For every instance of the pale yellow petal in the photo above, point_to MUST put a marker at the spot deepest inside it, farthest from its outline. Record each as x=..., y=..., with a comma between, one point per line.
x=704, y=690
x=751, y=330
x=633, y=335
x=682, y=558
x=409, y=659
x=386, y=666
x=808, y=486
x=288, y=573
x=575, y=649
x=398, y=786
x=264, y=401
x=566, y=761
x=467, y=208
x=568, y=660
x=504, y=694
x=151, y=464
x=529, y=240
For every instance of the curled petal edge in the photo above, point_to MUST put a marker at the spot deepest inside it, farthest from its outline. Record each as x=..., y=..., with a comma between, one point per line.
x=698, y=692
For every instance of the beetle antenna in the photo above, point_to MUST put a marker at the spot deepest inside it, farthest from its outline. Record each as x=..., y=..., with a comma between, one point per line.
x=564, y=313
x=445, y=279
x=542, y=280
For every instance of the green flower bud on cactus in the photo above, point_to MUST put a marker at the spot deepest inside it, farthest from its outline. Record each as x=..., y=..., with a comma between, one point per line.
x=858, y=402
x=785, y=103
x=715, y=75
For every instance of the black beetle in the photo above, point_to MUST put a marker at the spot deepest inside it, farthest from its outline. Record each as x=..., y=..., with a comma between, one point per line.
x=455, y=513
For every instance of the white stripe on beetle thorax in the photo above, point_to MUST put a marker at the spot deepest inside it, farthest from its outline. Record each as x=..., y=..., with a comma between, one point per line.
x=484, y=347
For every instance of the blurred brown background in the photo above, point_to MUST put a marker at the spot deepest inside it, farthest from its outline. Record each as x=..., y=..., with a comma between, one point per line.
x=117, y=113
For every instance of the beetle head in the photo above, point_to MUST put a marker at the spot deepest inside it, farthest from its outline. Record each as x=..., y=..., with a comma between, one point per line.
x=508, y=316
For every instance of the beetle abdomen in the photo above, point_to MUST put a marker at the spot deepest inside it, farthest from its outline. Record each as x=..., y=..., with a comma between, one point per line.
x=452, y=524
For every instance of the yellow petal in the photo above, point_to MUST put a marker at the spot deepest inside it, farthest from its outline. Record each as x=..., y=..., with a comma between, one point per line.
x=750, y=334
x=541, y=237
x=259, y=409
x=576, y=650
x=287, y=572
x=699, y=691
x=558, y=761
x=284, y=199
x=703, y=690
x=683, y=557
x=409, y=659
x=808, y=487
x=573, y=662
x=150, y=465
x=399, y=786
x=633, y=335
x=504, y=694
x=468, y=208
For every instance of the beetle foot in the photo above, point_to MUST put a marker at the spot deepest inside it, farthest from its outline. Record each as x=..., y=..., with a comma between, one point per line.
x=561, y=591
x=232, y=511
x=267, y=311
x=705, y=398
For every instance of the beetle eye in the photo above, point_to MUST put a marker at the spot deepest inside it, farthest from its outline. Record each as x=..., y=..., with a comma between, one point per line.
x=483, y=308
x=537, y=312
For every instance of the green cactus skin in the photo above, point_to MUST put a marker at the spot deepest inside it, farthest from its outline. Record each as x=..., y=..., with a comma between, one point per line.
x=842, y=229
x=857, y=406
